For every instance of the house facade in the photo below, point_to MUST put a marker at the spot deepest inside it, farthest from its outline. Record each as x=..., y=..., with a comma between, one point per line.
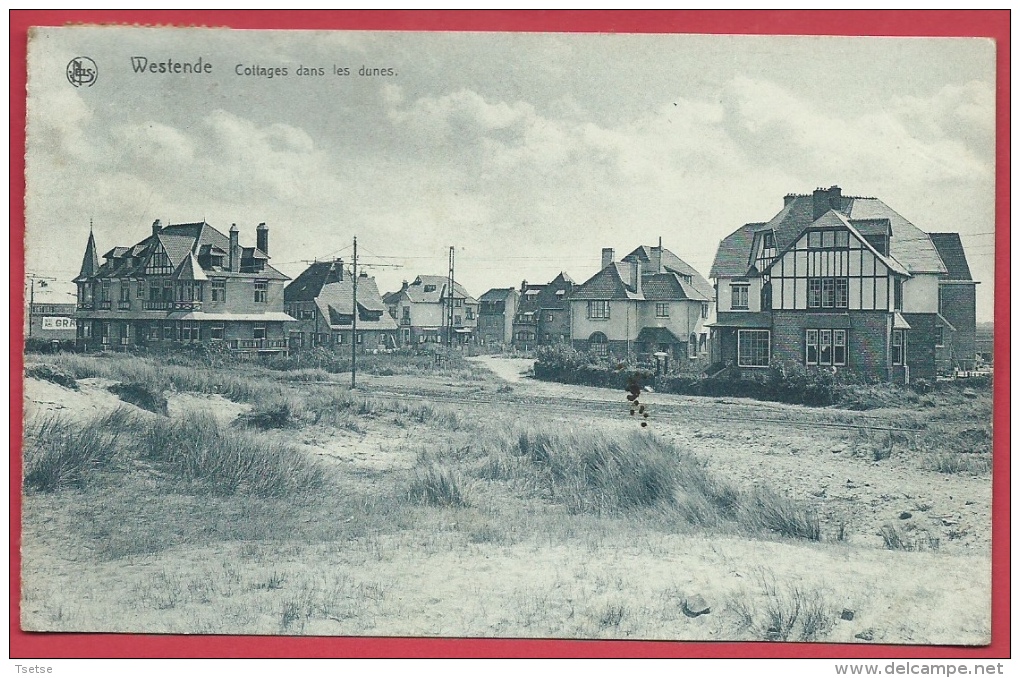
x=834, y=282
x=422, y=309
x=50, y=313
x=183, y=284
x=321, y=300
x=496, y=310
x=543, y=316
x=649, y=302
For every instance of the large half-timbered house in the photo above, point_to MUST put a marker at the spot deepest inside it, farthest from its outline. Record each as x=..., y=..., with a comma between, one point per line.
x=835, y=282
x=183, y=284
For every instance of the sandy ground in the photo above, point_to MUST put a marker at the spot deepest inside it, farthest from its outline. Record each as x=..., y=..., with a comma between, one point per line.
x=441, y=578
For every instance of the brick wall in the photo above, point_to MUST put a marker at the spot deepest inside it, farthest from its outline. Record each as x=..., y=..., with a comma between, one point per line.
x=958, y=307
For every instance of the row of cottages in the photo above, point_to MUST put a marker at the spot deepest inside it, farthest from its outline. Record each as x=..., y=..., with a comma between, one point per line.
x=183, y=284
x=322, y=301
x=843, y=282
x=651, y=301
x=422, y=311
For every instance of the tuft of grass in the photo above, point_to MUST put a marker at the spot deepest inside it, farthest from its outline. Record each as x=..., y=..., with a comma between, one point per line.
x=788, y=612
x=434, y=485
x=56, y=376
x=277, y=413
x=776, y=513
x=61, y=452
x=141, y=395
x=199, y=450
x=897, y=539
x=957, y=462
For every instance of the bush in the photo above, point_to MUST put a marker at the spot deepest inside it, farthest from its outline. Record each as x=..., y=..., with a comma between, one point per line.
x=141, y=395
x=37, y=345
x=567, y=365
x=278, y=413
x=47, y=373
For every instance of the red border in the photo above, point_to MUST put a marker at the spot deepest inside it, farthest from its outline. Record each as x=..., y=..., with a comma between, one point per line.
x=971, y=23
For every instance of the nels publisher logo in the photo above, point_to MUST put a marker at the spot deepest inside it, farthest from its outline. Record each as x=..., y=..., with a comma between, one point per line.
x=82, y=72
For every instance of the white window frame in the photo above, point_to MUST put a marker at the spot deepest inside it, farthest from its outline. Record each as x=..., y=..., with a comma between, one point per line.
x=662, y=309
x=740, y=358
x=598, y=310
x=899, y=347
x=740, y=299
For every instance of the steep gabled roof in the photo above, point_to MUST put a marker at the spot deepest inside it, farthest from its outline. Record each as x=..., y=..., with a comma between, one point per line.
x=335, y=301
x=950, y=248
x=671, y=262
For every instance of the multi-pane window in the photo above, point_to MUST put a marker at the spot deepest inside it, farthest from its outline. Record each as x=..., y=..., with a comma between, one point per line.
x=825, y=347
x=828, y=292
x=940, y=338
x=168, y=332
x=261, y=291
x=140, y=292
x=189, y=331
x=153, y=333
x=662, y=309
x=154, y=290
x=218, y=289
x=753, y=348
x=703, y=342
x=738, y=297
x=598, y=310
x=704, y=309
x=216, y=331
x=469, y=313
x=125, y=290
x=897, y=347
x=692, y=346
x=828, y=240
x=168, y=290
x=598, y=344
x=898, y=294
x=104, y=291
x=259, y=331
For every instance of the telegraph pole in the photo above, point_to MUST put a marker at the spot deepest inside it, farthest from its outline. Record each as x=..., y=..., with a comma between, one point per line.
x=449, y=308
x=354, y=324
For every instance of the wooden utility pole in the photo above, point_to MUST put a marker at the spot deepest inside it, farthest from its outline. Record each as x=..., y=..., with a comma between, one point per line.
x=449, y=308
x=354, y=323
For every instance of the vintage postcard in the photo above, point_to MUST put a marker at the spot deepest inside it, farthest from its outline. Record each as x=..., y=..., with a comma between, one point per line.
x=508, y=335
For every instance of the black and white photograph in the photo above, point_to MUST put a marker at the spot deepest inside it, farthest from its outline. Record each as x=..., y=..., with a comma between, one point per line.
x=508, y=335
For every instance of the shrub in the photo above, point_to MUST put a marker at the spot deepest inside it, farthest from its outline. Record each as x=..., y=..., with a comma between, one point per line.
x=567, y=365
x=773, y=512
x=47, y=373
x=140, y=395
x=278, y=413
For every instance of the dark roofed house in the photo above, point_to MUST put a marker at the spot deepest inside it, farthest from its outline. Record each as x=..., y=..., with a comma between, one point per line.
x=321, y=299
x=183, y=284
x=957, y=304
x=651, y=301
x=837, y=282
x=543, y=317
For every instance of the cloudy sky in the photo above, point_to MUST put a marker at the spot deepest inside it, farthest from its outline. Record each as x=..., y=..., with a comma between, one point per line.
x=528, y=153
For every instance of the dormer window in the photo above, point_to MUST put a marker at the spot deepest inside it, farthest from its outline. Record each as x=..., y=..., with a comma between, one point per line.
x=827, y=240
x=430, y=288
x=768, y=240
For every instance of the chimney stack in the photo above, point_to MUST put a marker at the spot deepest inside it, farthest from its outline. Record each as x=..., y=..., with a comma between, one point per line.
x=157, y=226
x=235, y=249
x=656, y=261
x=635, y=273
x=607, y=256
x=825, y=199
x=262, y=237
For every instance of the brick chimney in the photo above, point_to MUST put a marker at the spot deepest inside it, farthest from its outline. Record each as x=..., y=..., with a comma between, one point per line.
x=825, y=199
x=235, y=249
x=338, y=267
x=262, y=237
x=607, y=256
x=157, y=226
x=635, y=276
